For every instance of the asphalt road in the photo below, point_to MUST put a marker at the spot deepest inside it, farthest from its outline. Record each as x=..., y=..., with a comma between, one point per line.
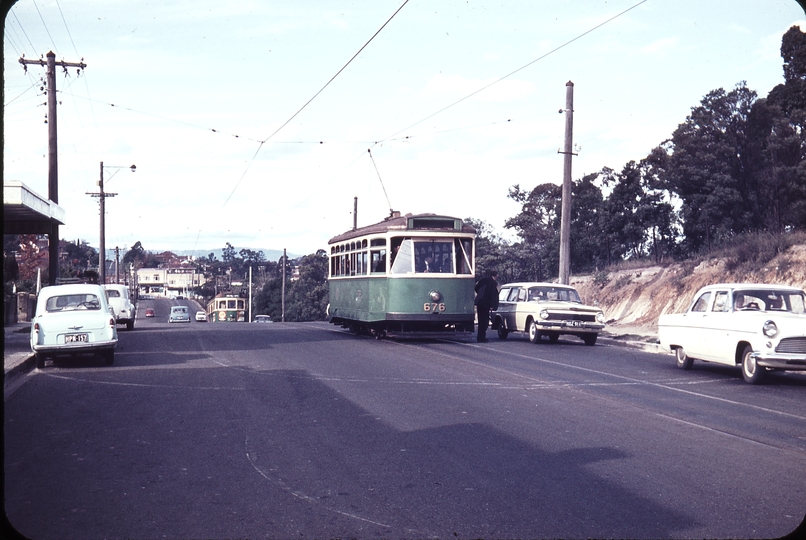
x=210, y=430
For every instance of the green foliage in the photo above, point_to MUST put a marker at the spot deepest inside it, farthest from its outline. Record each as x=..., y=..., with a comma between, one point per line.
x=306, y=298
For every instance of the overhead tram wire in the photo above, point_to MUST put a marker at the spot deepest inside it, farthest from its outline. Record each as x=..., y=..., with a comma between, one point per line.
x=66, y=28
x=310, y=100
x=516, y=71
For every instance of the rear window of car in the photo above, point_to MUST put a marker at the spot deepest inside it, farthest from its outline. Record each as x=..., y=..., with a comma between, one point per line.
x=179, y=309
x=112, y=293
x=72, y=302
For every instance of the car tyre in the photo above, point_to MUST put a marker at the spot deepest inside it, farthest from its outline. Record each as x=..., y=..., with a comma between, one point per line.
x=534, y=333
x=554, y=337
x=40, y=360
x=751, y=371
x=109, y=357
x=502, y=332
x=130, y=325
x=684, y=361
x=590, y=339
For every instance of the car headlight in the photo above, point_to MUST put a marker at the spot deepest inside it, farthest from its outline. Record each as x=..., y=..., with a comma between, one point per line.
x=544, y=314
x=770, y=329
x=600, y=317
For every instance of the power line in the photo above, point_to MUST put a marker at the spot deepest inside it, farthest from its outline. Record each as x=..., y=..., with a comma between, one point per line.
x=310, y=100
x=517, y=70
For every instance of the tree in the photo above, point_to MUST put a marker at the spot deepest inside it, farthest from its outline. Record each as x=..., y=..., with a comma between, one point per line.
x=705, y=168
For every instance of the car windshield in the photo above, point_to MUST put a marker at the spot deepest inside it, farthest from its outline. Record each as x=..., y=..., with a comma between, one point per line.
x=72, y=302
x=553, y=294
x=769, y=300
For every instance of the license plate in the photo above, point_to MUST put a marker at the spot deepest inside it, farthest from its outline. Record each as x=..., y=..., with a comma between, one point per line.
x=76, y=338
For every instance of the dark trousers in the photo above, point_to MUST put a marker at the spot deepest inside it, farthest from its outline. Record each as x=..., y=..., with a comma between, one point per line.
x=484, y=322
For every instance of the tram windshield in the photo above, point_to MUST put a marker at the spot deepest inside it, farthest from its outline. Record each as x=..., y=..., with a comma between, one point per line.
x=430, y=256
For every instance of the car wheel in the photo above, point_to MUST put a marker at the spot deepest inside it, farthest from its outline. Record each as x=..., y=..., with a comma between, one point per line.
x=40, y=360
x=751, y=371
x=683, y=360
x=534, y=333
x=109, y=357
x=554, y=337
x=502, y=332
x=130, y=325
x=589, y=339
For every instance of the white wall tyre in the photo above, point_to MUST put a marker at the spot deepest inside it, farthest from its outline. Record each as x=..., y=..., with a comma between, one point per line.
x=534, y=333
x=751, y=371
x=683, y=360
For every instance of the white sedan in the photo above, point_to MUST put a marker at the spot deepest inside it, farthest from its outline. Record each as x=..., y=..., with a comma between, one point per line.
x=73, y=319
x=759, y=327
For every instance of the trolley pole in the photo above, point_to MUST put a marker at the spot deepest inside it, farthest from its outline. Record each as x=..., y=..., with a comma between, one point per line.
x=53, y=165
x=565, y=218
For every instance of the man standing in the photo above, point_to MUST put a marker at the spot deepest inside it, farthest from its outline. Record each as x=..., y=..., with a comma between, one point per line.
x=486, y=299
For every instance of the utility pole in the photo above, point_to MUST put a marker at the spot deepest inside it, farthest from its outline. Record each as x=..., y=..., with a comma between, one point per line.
x=117, y=264
x=565, y=218
x=282, y=301
x=102, y=195
x=53, y=166
x=102, y=252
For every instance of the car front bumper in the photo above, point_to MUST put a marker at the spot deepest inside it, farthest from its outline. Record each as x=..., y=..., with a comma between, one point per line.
x=792, y=362
x=577, y=327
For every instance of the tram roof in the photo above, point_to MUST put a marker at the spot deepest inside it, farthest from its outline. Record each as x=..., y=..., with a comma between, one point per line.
x=409, y=222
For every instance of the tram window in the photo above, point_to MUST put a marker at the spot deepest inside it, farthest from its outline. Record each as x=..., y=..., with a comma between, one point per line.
x=464, y=256
x=434, y=256
x=364, y=243
x=401, y=256
x=362, y=263
x=230, y=304
x=378, y=260
x=378, y=242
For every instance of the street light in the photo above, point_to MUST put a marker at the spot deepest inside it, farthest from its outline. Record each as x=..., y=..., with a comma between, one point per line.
x=102, y=196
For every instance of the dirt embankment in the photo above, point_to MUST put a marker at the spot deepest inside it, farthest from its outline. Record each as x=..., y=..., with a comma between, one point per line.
x=633, y=299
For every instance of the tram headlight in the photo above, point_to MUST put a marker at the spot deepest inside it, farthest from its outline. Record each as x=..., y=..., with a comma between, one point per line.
x=435, y=296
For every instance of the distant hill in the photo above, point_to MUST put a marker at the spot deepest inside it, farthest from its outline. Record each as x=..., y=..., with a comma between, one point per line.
x=272, y=255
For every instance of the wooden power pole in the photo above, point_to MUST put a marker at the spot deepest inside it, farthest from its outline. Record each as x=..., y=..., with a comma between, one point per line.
x=53, y=166
x=565, y=218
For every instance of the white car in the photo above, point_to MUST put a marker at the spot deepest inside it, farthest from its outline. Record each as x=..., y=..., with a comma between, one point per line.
x=73, y=319
x=759, y=327
x=201, y=316
x=545, y=309
x=121, y=302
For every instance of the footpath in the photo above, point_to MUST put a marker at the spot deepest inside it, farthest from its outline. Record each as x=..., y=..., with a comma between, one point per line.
x=17, y=356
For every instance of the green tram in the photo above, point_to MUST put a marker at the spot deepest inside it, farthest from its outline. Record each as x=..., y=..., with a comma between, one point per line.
x=226, y=308
x=407, y=276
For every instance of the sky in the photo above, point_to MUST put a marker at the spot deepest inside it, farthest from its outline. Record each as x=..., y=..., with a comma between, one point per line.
x=257, y=122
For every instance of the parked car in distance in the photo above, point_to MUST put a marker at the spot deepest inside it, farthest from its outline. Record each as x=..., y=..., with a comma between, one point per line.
x=545, y=309
x=120, y=300
x=262, y=319
x=179, y=314
x=73, y=319
x=758, y=327
x=149, y=312
x=201, y=316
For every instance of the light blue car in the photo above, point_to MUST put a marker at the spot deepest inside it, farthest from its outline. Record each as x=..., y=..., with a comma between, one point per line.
x=179, y=314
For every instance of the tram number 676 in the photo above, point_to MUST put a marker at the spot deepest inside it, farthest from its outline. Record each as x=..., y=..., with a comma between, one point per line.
x=431, y=306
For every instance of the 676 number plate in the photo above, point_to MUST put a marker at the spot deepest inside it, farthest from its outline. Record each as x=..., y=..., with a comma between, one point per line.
x=75, y=338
